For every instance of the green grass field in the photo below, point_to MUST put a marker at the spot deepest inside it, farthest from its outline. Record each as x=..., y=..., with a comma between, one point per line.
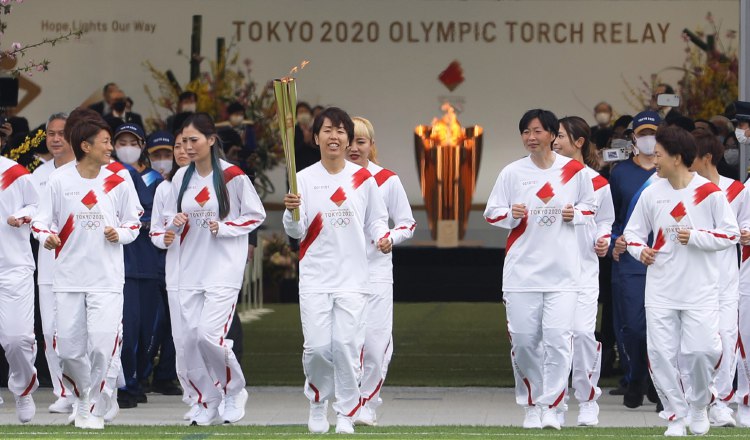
x=435, y=344
x=300, y=432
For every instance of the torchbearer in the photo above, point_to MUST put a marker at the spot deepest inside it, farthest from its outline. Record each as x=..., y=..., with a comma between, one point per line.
x=339, y=207
x=691, y=220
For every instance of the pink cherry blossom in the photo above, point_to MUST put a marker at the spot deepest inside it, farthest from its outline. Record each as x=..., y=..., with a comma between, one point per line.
x=15, y=46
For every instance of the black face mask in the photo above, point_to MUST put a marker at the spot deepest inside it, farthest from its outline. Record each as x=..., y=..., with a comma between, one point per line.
x=119, y=105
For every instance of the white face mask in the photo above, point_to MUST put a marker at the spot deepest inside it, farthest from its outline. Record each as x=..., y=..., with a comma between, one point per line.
x=603, y=118
x=236, y=119
x=740, y=134
x=189, y=108
x=732, y=156
x=128, y=154
x=163, y=166
x=646, y=145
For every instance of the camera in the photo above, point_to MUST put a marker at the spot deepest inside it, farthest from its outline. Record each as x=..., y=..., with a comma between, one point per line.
x=667, y=100
x=619, y=151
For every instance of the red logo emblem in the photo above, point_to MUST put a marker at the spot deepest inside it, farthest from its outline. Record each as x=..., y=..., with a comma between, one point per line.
x=203, y=196
x=452, y=76
x=89, y=200
x=678, y=212
x=546, y=193
x=338, y=197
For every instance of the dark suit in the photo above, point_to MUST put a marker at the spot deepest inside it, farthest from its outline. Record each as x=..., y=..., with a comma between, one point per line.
x=98, y=107
x=115, y=122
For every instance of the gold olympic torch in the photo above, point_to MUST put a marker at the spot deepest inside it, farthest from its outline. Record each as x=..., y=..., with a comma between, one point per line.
x=285, y=91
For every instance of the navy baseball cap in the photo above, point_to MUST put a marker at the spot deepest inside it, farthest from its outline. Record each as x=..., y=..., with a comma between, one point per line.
x=160, y=140
x=647, y=119
x=134, y=129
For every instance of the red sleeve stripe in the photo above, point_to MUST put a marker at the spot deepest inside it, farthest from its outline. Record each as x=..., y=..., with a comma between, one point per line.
x=111, y=182
x=599, y=182
x=11, y=175
x=316, y=226
x=383, y=175
x=387, y=234
x=515, y=233
x=717, y=235
x=65, y=232
x=155, y=234
x=660, y=240
x=606, y=236
x=41, y=231
x=232, y=172
x=587, y=212
x=633, y=243
x=745, y=253
x=411, y=228
x=134, y=227
x=496, y=219
x=360, y=177
x=247, y=223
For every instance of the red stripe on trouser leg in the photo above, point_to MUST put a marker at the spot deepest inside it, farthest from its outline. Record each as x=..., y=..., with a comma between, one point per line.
x=31, y=385
x=315, y=390
x=558, y=400
x=592, y=393
x=528, y=387
x=362, y=357
x=377, y=388
x=200, y=395
x=356, y=408
x=117, y=341
x=741, y=346
x=729, y=397
x=744, y=400
x=718, y=364
x=671, y=418
x=62, y=388
x=226, y=326
x=713, y=398
x=229, y=378
x=75, y=388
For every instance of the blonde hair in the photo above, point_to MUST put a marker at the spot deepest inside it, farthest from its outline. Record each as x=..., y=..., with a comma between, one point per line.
x=363, y=128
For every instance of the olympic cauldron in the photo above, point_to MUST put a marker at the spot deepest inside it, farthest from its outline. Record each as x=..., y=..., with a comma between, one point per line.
x=448, y=157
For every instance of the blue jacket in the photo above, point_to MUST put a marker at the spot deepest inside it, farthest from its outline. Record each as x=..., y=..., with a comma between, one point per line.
x=142, y=258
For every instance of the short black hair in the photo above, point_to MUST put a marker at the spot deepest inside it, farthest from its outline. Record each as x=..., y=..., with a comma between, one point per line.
x=710, y=124
x=667, y=88
x=546, y=118
x=106, y=87
x=683, y=122
x=338, y=118
x=707, y=143
x=304, y=105
x=676, y=140
x=623, y=121
x=235, y=107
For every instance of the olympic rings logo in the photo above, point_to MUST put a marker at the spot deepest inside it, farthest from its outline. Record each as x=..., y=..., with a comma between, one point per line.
x=203, y=222
x=546, y=220
x=340, y=222
x=90, y=225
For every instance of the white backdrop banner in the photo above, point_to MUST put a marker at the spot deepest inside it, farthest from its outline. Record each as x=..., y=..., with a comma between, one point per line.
x=380, y=59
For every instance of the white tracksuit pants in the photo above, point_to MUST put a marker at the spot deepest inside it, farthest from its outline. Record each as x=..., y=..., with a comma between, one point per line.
x=540, y=327
x=377, y=350
x=49, y=329
x=728, y=331
x=88, y=337
x=175, y=314
x=693, y=335
x=743, y=343
x=207, y=315
x=331, y=351
x=587, y=351
x=17, y=334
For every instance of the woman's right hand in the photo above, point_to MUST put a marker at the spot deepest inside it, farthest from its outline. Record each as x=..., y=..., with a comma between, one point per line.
x=292, y=201
x=180, y=220
x=52, y=242
x=169, y=238
x=518, y=210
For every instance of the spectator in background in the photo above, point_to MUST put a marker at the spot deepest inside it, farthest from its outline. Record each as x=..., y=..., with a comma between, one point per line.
x=668, y=114
x=318, y=109
x=723, y=126
x=306, y=152
x=603, y=117
x=187, y=102
x=729, y=165
x=621, y=126
x=705, y=124
x=159, y=146
x=683, y=122
x=104, y=106
x=118, y=114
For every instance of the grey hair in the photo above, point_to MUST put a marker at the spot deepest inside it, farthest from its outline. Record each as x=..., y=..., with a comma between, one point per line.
x=55, y=116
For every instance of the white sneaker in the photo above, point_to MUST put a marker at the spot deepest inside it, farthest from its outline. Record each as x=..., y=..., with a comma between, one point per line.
x=113, y=410
x=549, y=419
x=721, y=415
x=82, y=413
x=743, y=415
x=62, y=405
x=317, y=423
x=366, y=416
x=676, y=428
x=25, y=408
x=533, y=418
x=94, y=422
x=234, y=407
x=206, y=417
x=699, y=423
x=192, y=412
x=588, y=414
x=73, y=411
x=344, y=425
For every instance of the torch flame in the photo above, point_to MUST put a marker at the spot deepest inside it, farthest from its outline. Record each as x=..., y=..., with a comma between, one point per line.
x=295, y=69
x=447, y=131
